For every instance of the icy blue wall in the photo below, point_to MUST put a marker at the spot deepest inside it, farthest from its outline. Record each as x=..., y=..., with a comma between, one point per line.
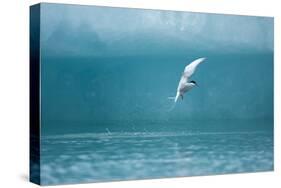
x=104, y=65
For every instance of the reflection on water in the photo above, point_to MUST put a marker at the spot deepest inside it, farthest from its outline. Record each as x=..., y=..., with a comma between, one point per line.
x=76, y=158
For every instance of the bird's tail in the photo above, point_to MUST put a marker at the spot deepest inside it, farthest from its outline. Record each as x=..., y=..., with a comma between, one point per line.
x=175, y=98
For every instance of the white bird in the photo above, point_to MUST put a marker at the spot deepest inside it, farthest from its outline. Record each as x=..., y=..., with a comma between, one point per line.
x=184, y=83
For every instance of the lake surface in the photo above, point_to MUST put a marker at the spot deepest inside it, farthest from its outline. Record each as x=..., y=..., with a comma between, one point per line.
x=96, y=157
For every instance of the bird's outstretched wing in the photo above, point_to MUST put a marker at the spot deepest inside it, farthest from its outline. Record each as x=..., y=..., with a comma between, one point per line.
x=187, y=73
x=190, y=69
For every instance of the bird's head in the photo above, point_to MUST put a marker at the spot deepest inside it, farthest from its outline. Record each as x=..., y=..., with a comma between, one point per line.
x=193, y=82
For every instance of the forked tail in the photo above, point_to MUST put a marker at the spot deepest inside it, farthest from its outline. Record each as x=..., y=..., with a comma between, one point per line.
x=175, y=101
x=175, y=98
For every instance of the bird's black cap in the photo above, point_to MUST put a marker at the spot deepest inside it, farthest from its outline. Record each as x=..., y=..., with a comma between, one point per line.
x=192, y=81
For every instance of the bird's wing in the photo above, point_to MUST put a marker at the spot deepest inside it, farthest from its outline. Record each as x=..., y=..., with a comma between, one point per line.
x=182, y=81
x=189, y=69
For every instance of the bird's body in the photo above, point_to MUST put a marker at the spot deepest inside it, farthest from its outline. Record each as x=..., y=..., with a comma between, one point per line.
x=184, y=84
x=184, y=87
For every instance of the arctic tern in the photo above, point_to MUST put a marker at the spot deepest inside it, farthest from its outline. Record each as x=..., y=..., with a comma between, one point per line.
x=184, y=84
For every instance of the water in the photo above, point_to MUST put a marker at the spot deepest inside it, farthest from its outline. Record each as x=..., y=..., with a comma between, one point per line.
x=95, y=157
x=106, y=75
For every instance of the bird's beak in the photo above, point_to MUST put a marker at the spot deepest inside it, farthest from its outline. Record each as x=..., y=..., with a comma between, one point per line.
x=196, y=85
